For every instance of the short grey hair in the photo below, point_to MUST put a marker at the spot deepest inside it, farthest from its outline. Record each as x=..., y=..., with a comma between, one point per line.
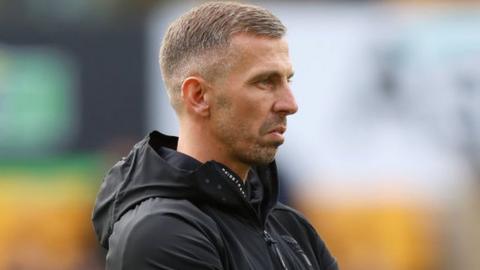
x=197, y=42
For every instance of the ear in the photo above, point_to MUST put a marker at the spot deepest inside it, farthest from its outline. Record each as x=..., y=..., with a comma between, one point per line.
x=194, y=95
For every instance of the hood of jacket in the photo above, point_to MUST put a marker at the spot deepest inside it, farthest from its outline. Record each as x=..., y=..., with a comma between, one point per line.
x=147, y=172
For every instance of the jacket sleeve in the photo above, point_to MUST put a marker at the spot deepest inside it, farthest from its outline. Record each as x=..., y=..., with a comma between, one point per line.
x=158, y=242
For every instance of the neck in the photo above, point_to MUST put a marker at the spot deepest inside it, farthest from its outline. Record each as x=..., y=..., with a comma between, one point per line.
x=201, y=145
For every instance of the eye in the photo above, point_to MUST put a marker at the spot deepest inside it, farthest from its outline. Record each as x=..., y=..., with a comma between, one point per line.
x=266, y=83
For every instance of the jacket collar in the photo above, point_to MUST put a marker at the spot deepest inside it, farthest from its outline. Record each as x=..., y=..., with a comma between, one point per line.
x=215, y=182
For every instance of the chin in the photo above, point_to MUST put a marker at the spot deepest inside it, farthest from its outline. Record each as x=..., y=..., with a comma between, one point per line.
x=266, y=155
x=259, y=153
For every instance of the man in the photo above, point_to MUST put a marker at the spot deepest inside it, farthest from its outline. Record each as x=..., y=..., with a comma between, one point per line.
x=208, y=200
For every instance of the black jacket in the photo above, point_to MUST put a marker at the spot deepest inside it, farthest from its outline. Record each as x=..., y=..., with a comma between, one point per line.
x=160, y=209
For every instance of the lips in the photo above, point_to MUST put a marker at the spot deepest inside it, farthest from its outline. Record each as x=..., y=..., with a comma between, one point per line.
x=274, y=126
x=280, y=130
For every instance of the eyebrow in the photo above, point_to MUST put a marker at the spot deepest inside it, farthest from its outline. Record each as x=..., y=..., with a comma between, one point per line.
x=268, y=74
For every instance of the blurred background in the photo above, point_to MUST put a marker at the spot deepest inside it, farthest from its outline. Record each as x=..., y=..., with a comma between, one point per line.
x=383, y=155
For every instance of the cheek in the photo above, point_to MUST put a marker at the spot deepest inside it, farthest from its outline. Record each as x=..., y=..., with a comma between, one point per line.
x=251, y=115
x=247, y=113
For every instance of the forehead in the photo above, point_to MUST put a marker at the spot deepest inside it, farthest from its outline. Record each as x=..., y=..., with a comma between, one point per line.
x=251, y=53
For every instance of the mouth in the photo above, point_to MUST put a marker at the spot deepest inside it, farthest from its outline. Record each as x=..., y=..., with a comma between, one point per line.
x=275, y=136
x=279, y=130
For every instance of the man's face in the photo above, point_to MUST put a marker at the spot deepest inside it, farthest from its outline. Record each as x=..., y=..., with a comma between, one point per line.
x=251, y=103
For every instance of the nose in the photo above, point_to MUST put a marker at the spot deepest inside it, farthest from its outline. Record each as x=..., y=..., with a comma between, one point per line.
x=286, y=103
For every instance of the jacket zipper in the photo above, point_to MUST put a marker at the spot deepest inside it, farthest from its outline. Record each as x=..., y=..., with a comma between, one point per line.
x=296, y=247
x=272, y=243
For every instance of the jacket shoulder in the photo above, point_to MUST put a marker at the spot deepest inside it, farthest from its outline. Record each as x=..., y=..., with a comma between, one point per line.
x=289, y=214
x=280, y=207
x=164, y=233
